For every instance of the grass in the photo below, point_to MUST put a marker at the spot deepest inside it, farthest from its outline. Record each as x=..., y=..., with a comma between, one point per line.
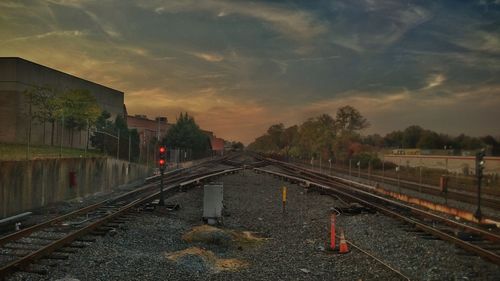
x=10, y=151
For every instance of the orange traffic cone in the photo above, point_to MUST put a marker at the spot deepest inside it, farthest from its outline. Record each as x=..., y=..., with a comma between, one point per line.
x=343, y=249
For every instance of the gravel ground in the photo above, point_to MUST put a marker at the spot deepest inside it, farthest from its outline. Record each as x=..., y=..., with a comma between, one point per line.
x=294, y=250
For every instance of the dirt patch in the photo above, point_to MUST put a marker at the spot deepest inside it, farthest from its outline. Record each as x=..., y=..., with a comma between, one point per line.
x=201, y=260
x=213, y=235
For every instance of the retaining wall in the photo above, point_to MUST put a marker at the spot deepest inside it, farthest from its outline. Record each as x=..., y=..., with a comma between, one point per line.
x=25, y=185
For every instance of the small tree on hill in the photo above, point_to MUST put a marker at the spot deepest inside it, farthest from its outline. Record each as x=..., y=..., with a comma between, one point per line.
x=47, y=107
x=186, y=134
x=79, y=109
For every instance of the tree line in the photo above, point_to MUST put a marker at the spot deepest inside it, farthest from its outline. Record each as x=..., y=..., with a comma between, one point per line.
x=77, y=110
x=417, y=137
x=185, y=134
x=323, y=136
x=339, y=139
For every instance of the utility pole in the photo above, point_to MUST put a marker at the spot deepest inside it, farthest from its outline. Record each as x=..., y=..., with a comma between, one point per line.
x=62, y=134
x=350, y=165
x=118, y=146
x=129, y=147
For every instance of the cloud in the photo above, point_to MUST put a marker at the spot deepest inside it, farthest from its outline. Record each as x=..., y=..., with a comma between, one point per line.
x=292, y=23
x=240, y=66
x=435, y=80
x=209, y=57
x=375, y=25
x=60, y=33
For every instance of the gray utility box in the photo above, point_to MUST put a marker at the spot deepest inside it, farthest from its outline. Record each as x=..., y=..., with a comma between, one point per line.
x=213, y=194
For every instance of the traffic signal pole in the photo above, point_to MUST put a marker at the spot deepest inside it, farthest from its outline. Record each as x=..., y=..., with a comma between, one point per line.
x=162, y=163
x=162, y=198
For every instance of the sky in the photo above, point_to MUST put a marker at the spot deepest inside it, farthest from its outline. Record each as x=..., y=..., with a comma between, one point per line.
x=240, y=66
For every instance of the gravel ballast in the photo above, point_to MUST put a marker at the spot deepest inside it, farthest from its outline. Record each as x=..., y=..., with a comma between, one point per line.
x=294, y=248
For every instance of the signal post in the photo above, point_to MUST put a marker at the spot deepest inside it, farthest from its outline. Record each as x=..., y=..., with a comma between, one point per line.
x=162, y=162
x=479, y=174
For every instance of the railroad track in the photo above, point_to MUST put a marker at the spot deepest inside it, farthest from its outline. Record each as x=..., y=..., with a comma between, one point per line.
x=489, y=199
x=472, y=239
x=63, y=235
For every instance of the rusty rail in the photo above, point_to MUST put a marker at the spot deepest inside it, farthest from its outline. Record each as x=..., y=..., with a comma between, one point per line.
x=367, y=198
x=26, y=260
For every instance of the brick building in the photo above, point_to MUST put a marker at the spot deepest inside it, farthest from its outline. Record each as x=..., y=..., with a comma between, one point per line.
x=149, y=131
x=18, y=75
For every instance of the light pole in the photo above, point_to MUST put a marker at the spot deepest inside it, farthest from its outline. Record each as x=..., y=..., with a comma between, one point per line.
x=370, y=171
x=118, y=146
x=479, y=174
x=350, y=165
x=62, y=135
x=397, y=172
x=113, y=136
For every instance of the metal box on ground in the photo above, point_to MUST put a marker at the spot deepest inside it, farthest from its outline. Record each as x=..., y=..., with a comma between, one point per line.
x=213, y=194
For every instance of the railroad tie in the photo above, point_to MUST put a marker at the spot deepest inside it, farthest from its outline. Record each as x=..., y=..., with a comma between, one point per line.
x=39, y=271
x=54, y=256
x=86, y=239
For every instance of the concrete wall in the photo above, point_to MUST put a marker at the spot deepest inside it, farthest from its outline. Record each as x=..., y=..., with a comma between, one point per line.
x=25, y=185
x=455, y=164
x=18, y=75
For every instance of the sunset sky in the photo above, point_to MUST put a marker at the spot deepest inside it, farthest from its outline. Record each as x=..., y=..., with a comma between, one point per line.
x=240, y=66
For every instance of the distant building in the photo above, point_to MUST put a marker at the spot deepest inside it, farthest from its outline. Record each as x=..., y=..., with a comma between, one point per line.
x=18, y=75
x=217, y=145
x=149, y=132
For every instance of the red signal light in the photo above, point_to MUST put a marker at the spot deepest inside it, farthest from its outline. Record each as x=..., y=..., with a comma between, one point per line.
x=162, y=162
x=162, y=149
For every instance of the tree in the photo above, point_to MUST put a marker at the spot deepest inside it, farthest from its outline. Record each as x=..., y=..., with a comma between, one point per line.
x=429, y=140
x=103, y=124
x=350, y=119
x=238, y=146
x=79, y=110
x=48, y=106
x=346, y=145
x=375, y=140
x=411, y=136
x=275, y=133
x=394, y=139
x=186, y=134
x=289, y=138
x=106, y=136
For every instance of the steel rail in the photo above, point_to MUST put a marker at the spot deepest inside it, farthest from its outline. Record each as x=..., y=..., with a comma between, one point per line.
x=27, y=231
x=151, y=182
x=379, y=260
x=431, y=230
x=490, y=236
x=48, y=249
x=466, y=196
